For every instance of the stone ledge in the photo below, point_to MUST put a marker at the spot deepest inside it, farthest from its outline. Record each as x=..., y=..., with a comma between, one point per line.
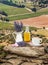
x=26, y=51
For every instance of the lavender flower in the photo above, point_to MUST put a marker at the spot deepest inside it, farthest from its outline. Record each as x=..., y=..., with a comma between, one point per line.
x=18, y=26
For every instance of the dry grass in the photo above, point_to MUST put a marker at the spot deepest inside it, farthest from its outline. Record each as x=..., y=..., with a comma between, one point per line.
x=42, y=32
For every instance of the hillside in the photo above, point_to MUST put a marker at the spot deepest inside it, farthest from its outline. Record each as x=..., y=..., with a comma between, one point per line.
x=25, y=16
x=10, y=10
x=15, y=11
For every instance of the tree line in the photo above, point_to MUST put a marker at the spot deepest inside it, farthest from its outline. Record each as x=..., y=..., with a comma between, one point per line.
x=41, y=3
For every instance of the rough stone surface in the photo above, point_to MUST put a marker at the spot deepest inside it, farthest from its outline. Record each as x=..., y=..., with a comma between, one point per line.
x=28, y=63
x=15, y=61
x=44, y=56
x=26, y=51
x=25, y=56
x=6, y=64
x=37, y=61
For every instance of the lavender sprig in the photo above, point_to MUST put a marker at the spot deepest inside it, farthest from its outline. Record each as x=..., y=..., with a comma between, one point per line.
x=18, y=26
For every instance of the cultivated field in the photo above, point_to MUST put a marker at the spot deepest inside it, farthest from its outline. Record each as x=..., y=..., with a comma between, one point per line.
x=30, y=15
x=15, y=13
x=40, y=21
x=11, y=10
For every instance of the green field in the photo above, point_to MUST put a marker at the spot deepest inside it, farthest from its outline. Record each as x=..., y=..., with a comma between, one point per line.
x=5, y=25
x=15, y=13
x=29, y=15
x=11, y=10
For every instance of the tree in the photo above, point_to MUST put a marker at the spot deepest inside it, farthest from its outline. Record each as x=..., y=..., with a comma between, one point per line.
x=43, y=3
x=24, y=0
x=3, y=13
x=15, y=1
x=11, y=1
x=34, y=9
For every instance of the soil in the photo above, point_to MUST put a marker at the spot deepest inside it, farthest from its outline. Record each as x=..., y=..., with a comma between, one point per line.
x=40, y=21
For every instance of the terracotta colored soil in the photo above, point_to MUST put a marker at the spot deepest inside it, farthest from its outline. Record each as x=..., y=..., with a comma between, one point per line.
x=40, y=21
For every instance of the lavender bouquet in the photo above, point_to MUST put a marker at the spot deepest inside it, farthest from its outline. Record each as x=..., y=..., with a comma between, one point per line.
x=18, y=26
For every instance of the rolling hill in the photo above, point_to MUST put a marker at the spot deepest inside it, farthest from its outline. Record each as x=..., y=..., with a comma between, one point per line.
x=11, y=10
x=16, y=13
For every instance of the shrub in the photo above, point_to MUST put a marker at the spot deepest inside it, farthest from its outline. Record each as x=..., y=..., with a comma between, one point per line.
x=41, y=36
x=33, y=28
x=3, y=13
x=6, y=19
x=43, y=27
x=34, y=9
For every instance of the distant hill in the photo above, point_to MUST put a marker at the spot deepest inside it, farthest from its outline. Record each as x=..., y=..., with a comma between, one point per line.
x=15, y=13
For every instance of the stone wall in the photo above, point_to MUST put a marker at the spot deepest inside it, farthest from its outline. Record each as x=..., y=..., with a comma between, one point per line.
x=25, y=55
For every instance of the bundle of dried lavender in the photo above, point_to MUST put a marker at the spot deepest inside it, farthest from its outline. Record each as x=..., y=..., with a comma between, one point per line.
x=18, y=26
